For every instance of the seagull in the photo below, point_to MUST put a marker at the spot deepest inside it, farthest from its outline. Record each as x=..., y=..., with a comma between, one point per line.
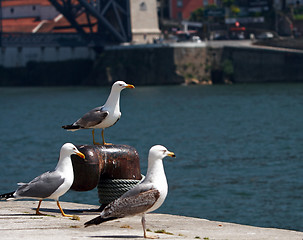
x=104, y=116
x=51, y=184
x=144, y=197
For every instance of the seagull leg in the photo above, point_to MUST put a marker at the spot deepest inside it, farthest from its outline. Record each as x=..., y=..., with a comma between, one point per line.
x=37, y=210
x=102, y=134
x=63, y=214
x=95, y=143
x=144, y=228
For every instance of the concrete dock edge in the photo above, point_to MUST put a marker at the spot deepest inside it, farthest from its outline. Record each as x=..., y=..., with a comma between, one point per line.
x=18, y=221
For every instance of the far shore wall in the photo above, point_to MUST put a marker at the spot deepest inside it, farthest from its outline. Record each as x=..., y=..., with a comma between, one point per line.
x=199, y=65
x=140, y=66
x=14, y=57
x=150, y=65
x=153, y=66
x=264, y=65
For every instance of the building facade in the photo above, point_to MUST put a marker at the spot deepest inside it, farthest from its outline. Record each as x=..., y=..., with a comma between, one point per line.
x=40, y=9
x=144, y=21
x=28, y=35
x=182, y=9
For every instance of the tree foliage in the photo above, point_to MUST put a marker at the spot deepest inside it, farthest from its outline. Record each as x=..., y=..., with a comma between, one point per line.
x=197, y=15
x=228, y=3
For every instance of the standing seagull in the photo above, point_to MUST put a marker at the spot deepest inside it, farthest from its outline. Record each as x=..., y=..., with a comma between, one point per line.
x=104, y=116
x=52, y=184
x=143, y=198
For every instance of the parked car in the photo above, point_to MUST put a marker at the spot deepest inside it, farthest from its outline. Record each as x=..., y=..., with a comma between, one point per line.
x=219, y=36
x=196, y=39
x=265, y=35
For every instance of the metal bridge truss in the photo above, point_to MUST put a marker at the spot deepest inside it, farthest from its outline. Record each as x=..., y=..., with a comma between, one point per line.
x=113, y=19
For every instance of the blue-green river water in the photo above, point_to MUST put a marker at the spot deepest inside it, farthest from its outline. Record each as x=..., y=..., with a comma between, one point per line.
x=239, y=147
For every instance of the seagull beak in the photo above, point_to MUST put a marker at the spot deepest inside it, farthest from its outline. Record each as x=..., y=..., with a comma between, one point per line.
x=130, y=86
x=171, y=154
x=81, y=155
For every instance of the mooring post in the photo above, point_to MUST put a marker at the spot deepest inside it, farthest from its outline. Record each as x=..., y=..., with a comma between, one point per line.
x=114, y=169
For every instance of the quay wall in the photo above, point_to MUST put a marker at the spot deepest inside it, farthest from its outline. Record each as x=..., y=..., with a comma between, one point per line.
x=45, y=66
x=19, y=222
x=153, y=66
x=149, y=65
x=139, y=65
x=199, y=65
x=252, y=64
x=17, y=56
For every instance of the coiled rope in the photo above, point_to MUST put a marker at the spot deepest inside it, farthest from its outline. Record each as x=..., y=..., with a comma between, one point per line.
x=111, y=189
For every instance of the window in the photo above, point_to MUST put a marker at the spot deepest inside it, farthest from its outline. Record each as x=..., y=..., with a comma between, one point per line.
x=205, y=3
x=179, y=3
x=143, y=6
x=12, y=10
x=180, y=17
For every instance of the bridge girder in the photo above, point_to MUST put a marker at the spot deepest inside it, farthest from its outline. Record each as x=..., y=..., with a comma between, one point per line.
x=113, y=18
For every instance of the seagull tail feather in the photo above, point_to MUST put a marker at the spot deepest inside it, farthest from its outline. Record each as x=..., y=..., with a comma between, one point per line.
x=71, y=127
x=98, y=220
x=7, y=195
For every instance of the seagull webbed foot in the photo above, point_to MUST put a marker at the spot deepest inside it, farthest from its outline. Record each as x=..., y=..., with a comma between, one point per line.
x=37, y=209
x=96, y=143
x=66, y=215
x=151, y=237
x=62, y=212
x=103, y=140
x=39, y=213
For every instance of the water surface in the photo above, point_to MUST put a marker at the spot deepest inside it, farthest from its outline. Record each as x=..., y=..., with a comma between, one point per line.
x=239, y=147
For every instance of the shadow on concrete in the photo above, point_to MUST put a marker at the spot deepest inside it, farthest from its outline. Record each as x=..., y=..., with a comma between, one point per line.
x=69, y=211
x=116, y=236
x=18, y=215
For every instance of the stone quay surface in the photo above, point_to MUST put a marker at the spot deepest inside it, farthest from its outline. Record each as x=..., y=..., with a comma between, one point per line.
x=19, y=221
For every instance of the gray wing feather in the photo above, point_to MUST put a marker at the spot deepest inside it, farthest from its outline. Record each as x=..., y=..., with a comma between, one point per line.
x=92, y=118
x=142, y=187
x=41, y=187
x=132, y=205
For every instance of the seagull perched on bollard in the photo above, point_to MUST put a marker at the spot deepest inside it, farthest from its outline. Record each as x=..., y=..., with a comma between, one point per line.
x=144, y=197
x=51, y=184
x=104, y=116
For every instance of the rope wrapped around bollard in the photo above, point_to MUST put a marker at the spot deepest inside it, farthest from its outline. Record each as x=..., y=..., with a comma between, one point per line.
x=111, y=189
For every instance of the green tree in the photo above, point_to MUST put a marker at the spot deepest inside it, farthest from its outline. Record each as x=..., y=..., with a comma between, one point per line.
x=228, y=3
x=234, y=10
x=197, y=15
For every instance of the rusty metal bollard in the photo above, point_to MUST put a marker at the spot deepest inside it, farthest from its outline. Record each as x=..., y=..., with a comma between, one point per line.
x=106, y=166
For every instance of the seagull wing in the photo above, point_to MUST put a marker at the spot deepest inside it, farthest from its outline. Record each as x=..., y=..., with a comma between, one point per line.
x=131, y=205
x=41, y=187
x=92, y=118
